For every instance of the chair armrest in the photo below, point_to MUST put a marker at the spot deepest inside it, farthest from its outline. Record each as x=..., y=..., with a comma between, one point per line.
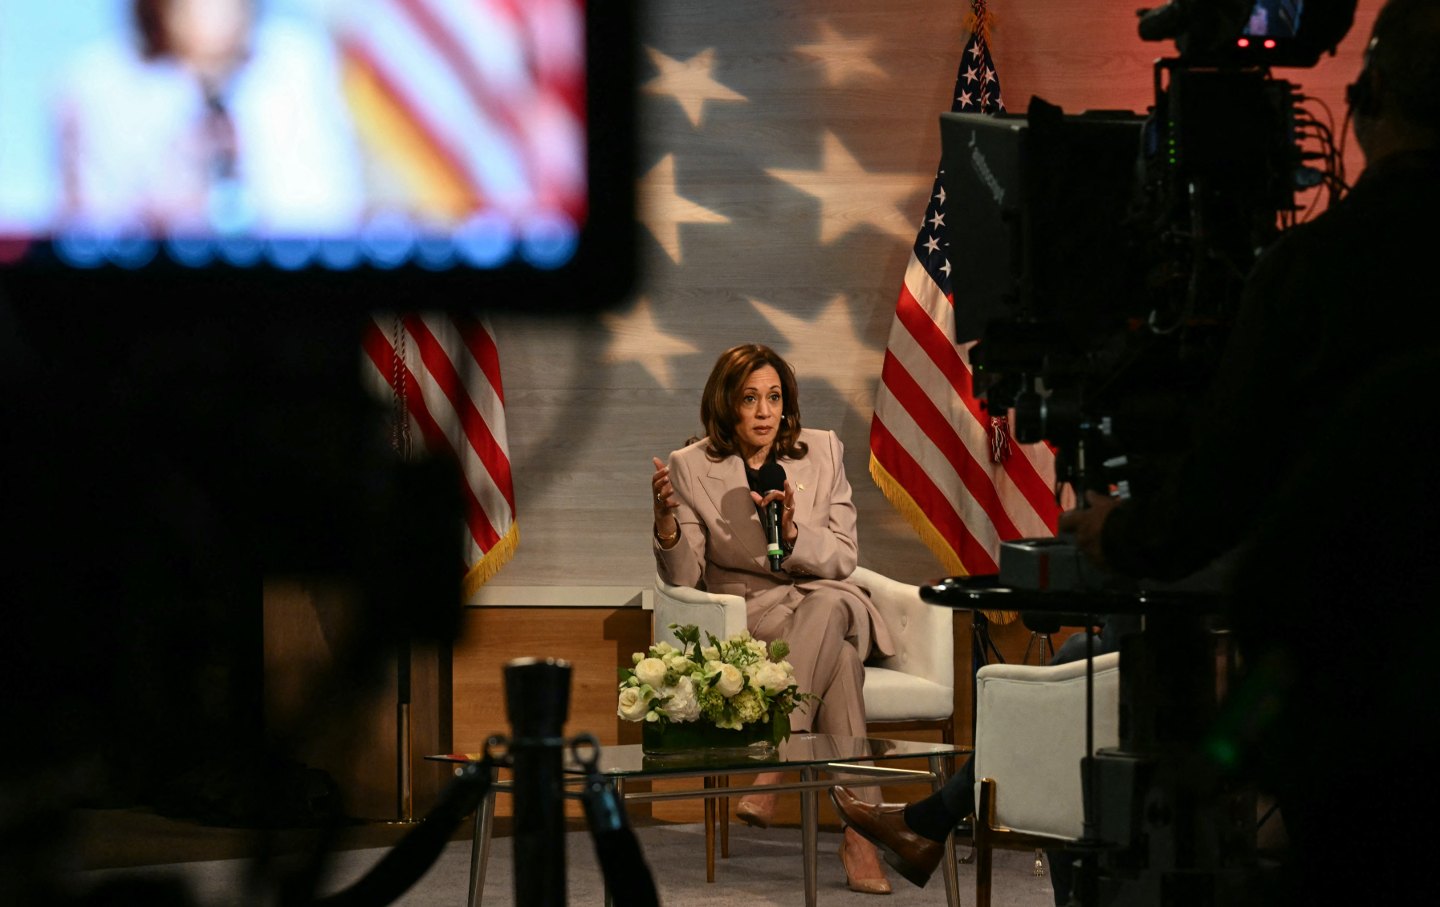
x=923, y=633
x=720, y=614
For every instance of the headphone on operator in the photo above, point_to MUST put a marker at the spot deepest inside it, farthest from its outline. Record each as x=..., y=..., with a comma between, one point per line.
x=1360, y=94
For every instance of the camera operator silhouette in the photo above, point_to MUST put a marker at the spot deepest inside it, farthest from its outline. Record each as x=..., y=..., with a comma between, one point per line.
x=1298, y=482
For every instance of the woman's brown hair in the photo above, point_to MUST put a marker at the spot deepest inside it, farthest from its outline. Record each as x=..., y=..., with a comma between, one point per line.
x=150, y=23
x=151, y=18
x=721, y=400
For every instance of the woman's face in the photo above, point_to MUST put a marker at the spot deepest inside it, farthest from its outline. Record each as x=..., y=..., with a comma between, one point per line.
x=757, y=412
x=209, y=35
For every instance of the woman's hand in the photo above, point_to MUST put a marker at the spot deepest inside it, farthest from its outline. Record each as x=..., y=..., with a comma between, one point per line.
x=788, y=530
x=667, y=527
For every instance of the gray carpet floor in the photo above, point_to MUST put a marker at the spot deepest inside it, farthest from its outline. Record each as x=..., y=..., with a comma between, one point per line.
x=764, y=868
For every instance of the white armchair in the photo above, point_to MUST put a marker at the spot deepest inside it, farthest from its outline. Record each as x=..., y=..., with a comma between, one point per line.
x=1029, y=740
x=913, y=688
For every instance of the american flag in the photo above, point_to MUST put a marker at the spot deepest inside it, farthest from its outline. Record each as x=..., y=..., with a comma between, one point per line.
x=945, y=463
x=442, y=371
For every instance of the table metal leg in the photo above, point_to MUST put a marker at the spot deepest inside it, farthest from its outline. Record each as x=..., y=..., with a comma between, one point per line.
x=480, y=844
x=709, y=829
x=723, y=807
x=619, y=788
x=947, y=863
x=810, y=831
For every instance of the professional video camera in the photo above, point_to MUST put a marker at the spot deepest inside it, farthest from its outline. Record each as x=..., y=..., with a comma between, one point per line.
x=1110, y=247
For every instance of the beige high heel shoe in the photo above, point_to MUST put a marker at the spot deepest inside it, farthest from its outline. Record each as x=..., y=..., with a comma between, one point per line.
x=866, y=879
x=758, y=810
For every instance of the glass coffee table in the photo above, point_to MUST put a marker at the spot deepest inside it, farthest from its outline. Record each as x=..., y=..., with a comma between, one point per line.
x=822, y=761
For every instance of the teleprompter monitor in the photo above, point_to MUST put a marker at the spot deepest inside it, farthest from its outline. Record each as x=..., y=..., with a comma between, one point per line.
x=1038, y=203
x=428, y=153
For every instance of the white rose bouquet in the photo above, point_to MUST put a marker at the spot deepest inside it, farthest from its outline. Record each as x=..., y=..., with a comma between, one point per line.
x=733, y=685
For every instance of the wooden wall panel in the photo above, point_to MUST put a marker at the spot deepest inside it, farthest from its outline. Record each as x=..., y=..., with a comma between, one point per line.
x=595, y=641
x=332, y=714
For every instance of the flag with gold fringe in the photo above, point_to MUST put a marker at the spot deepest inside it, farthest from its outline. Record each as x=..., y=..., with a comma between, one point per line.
x=949, y=466
x=442, y=372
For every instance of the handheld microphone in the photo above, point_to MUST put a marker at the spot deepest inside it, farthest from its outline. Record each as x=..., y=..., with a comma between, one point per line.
x=771, y=477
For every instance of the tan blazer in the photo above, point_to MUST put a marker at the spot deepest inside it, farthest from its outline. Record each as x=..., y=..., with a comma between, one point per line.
x=722, y=544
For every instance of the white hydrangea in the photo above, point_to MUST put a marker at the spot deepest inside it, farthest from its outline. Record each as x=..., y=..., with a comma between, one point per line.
x=683, y=704
x=771, y=677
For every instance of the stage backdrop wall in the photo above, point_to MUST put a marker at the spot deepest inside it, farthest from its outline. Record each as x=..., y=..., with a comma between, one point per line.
x=788, y=149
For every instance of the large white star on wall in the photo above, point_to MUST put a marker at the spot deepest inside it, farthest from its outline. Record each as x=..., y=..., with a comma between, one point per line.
x=689, y=82
x=829, y=349
x=851, y=196
x=663, y=210
x=845, y=59
x=635, y=337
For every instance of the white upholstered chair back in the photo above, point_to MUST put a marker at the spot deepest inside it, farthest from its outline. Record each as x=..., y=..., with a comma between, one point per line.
x=1030, y=738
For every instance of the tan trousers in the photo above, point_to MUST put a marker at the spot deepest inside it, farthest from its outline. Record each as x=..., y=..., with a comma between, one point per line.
x=827, y=664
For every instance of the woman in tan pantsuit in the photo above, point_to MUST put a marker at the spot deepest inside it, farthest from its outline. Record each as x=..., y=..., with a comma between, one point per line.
x=709, y=534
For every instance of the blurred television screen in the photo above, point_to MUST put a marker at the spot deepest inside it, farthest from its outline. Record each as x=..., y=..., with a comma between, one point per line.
x=1274, y=19
x=415, y=146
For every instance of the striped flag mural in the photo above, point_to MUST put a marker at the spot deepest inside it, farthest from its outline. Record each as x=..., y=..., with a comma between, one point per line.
x=946, y=464
x=443, y=372
x=470, y=105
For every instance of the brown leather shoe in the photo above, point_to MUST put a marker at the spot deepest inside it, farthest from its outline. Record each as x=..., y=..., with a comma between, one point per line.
x=883, y=824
